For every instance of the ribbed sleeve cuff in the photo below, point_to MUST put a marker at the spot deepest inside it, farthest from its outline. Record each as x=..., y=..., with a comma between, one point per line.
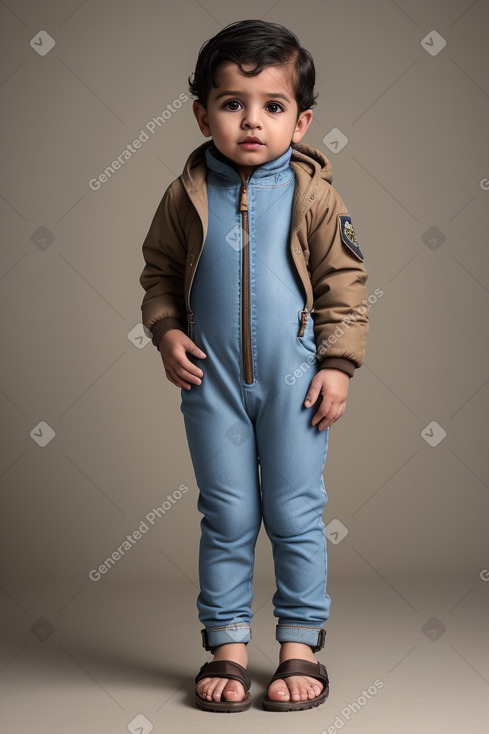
x=339, y=363
x=162, y=326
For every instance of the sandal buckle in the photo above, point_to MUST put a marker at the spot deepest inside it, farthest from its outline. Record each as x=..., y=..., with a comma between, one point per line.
x=320, y=641
x=205, y=641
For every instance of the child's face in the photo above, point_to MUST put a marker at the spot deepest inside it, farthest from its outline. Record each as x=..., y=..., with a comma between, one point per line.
x=262, y=107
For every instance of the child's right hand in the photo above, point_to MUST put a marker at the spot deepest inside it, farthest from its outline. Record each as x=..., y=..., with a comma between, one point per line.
x=174, y=345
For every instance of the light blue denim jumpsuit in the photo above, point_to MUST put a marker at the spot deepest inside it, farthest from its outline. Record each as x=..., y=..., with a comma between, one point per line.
x=254, y=451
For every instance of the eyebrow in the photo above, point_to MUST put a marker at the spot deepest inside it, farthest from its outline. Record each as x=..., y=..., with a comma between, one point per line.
x=236, y=93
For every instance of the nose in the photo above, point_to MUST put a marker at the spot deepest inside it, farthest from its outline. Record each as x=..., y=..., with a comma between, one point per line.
x=251, y=120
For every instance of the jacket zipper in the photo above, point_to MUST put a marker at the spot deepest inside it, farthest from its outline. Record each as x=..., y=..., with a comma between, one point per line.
x=190, y=316
x=245, y=287
x=190, y=313
x=302, y=327
x=190, y=325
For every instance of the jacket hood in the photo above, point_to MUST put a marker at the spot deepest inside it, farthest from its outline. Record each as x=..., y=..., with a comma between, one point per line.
x=311, y=161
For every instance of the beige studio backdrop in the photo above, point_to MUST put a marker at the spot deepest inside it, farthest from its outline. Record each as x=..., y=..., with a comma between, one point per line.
x=93, y=440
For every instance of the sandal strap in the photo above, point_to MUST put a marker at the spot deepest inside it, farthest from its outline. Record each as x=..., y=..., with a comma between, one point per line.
x=295, y=666
x=225, y=669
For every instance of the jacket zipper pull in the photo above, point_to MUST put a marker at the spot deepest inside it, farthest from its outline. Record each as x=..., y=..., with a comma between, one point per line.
x=243, y=198
x=302, y=328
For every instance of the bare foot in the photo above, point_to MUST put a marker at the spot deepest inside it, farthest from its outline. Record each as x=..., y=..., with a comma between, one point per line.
x=217, y=689
x=296, y=687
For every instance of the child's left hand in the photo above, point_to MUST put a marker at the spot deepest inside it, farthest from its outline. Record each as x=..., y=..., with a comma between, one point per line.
x=333, y=386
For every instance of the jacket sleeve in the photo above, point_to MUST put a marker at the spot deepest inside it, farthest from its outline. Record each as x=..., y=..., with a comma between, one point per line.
x=163, y=276
x=338, y=277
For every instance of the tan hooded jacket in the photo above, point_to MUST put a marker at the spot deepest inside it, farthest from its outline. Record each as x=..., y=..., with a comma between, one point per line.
x=322, y=242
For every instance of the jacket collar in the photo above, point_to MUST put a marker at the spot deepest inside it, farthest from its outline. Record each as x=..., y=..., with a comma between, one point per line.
x=222, y=169
x=309, y=165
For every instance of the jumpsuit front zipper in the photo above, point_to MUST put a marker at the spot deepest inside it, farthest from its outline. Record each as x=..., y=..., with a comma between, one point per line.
x=247, y=355
x=245, y=314
x=245, y=287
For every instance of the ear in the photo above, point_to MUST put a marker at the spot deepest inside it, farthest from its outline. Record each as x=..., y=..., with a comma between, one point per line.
x=303, y=122
x=201, y=117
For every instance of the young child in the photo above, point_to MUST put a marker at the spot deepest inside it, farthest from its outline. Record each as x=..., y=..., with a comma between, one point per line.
x=256, y=300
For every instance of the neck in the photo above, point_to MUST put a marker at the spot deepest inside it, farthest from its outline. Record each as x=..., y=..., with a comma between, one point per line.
x=245, y=171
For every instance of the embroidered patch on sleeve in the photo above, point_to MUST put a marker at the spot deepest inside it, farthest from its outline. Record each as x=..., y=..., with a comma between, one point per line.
x=348, y=235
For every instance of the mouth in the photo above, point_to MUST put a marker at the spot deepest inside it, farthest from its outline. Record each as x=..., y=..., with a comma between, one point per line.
x=251, y=143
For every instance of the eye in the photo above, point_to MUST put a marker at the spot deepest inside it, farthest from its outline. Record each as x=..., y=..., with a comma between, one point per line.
x=274, y=107
x=233, y=105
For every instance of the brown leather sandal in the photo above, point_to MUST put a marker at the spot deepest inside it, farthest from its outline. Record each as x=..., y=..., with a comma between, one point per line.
x=224, y=669
x=298, y=667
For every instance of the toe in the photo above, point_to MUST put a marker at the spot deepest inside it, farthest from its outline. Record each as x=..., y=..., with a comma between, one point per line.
x=233, y=691
x=278, y=691
x=220, y=689
x=303, y=688
x=296, y=690
x=204, y=688
x=316, y=689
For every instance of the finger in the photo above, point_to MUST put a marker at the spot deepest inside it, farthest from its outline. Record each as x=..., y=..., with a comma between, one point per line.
x=187, y=371
x=196, y=352
x=322, y=412
x=333, y=415
x=187, y=376
x=180, y=379
x=179, y=383
x=326, y=418
x=190, y=369
x=194, y=349
x=312, y=393
x=181, y=362
x=325, y=423
x=184, y=368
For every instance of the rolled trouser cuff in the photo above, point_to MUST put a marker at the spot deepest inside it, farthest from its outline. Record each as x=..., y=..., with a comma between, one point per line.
x=312, y=636
x=212, y=637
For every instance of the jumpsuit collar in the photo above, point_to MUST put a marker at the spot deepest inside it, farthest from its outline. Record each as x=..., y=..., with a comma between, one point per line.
x=222, y=171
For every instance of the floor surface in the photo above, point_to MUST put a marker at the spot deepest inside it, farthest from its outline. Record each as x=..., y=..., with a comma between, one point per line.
x=407, y=655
